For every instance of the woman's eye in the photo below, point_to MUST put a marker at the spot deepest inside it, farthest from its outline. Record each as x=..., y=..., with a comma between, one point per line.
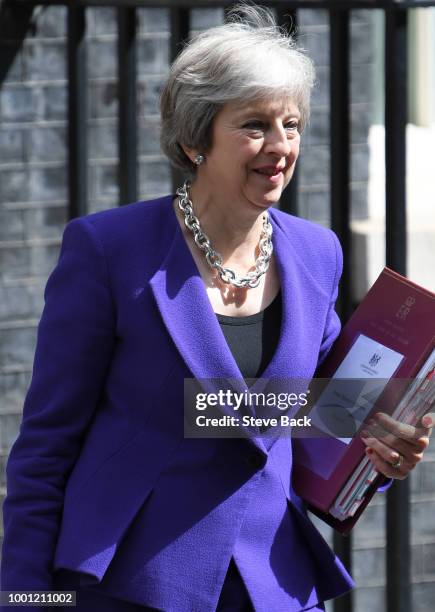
x=253, y=125
x=261, y=126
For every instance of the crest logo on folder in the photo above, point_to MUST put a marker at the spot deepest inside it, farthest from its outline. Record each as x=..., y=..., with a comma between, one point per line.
x=374, y=360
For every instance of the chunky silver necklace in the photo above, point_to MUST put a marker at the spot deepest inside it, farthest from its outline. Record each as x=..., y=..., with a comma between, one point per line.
x=214, y=260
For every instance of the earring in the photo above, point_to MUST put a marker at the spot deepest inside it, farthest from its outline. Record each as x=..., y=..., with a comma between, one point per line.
x=199, y=159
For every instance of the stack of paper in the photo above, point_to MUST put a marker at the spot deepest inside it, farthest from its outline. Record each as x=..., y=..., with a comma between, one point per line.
x=418, y=400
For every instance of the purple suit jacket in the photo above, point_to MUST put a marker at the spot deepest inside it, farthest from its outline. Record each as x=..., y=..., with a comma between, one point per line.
x=101, y=480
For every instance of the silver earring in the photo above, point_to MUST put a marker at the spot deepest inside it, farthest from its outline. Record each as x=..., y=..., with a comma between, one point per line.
x=199, y=159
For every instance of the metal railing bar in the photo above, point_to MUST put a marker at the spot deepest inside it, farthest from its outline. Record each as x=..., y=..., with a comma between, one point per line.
x=288, y=18
x=339, y=34
x=301, y=4
x=340, y=146
x=15, y=21
x=289, y=200
x=399, y=588
x=127, y=95
x=77, y=113
x=398, y=497
x=180, y=29
x=395, y=137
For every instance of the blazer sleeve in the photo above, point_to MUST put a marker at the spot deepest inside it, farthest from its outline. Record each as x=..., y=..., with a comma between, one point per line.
x=332, y=323
x=74, y=345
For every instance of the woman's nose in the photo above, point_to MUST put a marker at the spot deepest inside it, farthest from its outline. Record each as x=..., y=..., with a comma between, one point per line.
x=278, y=142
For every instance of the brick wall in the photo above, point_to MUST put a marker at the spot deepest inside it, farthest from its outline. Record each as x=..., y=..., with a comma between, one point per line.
x=33, y=211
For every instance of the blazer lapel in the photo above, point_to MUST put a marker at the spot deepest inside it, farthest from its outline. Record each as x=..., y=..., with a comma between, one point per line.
x=301, y=293
x=189, y=318
x=280, y=365
x=288, y=371
x=187, y=313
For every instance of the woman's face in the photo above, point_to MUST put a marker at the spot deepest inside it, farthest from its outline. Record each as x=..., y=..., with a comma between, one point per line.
x=254, y=150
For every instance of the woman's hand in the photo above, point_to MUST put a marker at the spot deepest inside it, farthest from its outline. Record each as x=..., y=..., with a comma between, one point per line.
x=395, y=448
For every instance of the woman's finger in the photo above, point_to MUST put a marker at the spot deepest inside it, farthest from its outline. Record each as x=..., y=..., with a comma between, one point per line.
x=386, y=468
x=383, y=425
x=392, y=453
x=428, y=421
x=406, y=447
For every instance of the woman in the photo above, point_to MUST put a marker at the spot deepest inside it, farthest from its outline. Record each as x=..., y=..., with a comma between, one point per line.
x=105, y=495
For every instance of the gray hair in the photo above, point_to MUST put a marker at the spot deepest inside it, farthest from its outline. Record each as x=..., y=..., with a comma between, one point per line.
x=247, y=58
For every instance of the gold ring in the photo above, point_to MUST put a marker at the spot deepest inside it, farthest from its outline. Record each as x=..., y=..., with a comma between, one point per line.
x=400, y=459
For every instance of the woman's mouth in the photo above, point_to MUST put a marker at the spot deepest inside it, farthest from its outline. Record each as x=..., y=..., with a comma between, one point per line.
x=269, y=174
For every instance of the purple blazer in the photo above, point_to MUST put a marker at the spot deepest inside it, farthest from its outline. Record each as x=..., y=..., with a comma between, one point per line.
x=101, y=480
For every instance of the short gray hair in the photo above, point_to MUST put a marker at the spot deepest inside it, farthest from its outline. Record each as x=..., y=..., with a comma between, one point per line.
x=247, y=58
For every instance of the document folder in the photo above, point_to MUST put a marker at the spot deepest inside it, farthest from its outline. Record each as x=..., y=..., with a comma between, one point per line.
x=383, y=360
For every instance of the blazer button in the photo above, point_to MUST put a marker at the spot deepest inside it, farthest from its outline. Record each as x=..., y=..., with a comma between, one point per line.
x=255, y=461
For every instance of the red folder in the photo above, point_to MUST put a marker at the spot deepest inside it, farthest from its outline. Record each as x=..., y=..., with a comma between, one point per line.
x=400, y=315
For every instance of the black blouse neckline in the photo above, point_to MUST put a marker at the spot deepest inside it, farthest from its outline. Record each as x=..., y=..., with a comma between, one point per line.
x=249, y=319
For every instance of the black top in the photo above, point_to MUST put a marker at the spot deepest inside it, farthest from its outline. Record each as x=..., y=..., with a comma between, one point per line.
x=253, y=339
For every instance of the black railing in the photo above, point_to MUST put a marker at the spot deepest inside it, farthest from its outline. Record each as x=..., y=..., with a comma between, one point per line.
x=15, y=21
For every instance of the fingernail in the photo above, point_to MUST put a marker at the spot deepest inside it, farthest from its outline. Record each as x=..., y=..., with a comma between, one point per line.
x=369, y=451
x=427, y=421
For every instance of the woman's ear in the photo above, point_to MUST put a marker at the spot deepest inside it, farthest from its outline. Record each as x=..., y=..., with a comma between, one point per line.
x=191, y=153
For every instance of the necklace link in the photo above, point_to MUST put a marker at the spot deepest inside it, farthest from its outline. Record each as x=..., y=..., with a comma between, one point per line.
x=214, y=259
